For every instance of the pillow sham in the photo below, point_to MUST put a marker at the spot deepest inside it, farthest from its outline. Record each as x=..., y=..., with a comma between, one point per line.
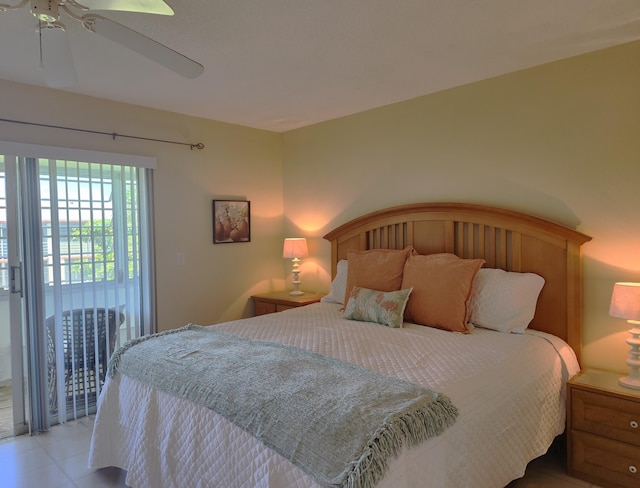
x=376, y=269
x=504, y=300
x=442, y=285
x=386, y=308
x=338, y=287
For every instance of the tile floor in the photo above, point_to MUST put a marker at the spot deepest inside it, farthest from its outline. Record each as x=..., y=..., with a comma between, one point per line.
x=58, y=459
x=549, y=472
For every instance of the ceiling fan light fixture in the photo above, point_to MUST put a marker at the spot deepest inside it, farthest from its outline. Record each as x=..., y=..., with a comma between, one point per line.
x=45, y=10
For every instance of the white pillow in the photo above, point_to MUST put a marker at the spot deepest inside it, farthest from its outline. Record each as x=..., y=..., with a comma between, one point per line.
x=504, y=301
x=338, y=285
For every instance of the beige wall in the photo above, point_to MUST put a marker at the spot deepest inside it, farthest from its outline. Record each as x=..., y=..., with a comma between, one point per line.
x=216, y=280
x=560, y=141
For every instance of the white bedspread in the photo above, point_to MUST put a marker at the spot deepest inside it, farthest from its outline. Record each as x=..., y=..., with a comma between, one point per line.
x=509, y=389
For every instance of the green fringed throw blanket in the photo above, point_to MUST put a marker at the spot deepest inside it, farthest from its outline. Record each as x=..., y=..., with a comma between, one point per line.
x=338, y=422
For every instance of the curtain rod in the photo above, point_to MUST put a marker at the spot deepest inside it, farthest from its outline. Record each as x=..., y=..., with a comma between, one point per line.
x=113, y=135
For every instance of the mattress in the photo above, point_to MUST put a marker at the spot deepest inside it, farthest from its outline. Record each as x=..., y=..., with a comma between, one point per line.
x=509, y=389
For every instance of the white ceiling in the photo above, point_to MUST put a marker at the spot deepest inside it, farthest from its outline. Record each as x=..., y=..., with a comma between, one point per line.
x=284, y=64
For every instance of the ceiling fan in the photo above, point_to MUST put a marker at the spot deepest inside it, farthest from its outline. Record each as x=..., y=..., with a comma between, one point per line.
x=55, y=51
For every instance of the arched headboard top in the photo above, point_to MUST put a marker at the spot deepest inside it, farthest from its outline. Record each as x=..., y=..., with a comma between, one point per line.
x=505, y=239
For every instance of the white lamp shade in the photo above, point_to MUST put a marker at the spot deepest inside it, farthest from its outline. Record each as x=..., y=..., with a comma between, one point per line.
x=625, y=301
x=295, y=247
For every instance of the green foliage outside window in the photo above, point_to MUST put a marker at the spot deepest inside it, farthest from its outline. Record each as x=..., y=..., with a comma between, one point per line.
x=98, y=247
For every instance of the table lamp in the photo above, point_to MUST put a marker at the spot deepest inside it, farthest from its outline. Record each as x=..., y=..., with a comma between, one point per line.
x=625, y=304
x=295, y=248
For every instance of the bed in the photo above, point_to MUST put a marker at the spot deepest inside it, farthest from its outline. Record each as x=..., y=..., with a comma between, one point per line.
x=506, y=381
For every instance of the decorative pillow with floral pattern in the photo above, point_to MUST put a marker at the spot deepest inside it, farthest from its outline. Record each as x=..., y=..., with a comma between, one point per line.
x=380, y=307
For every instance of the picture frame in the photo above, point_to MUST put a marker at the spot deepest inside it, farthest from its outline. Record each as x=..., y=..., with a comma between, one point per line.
x=231, y=221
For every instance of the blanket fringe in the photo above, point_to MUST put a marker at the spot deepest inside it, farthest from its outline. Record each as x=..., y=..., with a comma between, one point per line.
x=114, y=361
x=429, y=420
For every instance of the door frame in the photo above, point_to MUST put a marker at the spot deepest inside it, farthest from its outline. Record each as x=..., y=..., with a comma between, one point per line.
x=16, y=301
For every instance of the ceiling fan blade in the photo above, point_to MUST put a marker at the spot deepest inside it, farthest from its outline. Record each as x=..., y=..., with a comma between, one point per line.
x=56, y=59
x=157, y=7
x=148, y=48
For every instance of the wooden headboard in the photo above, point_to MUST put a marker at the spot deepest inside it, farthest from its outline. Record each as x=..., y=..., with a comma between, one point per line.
x=503, y=238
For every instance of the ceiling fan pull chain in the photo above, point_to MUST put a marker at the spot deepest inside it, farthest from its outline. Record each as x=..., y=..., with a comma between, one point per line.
x=40, y=43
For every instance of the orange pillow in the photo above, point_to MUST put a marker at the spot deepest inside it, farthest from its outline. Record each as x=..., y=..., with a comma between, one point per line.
x=442, y=285
x=376, y=269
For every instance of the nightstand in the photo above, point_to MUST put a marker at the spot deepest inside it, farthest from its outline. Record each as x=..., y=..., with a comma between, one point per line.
x=278, y=301
x=603, y=424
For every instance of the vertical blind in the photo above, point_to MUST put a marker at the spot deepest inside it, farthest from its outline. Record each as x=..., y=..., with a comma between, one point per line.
x=93, y=274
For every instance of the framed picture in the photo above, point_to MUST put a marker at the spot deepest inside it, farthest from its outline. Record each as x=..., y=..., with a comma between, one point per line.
x=231, y=221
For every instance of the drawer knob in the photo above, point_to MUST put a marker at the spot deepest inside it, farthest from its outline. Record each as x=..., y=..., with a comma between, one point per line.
x=633, y=469
x=634, y=424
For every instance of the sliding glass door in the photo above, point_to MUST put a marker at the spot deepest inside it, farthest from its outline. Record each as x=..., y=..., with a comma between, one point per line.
x=87, y=275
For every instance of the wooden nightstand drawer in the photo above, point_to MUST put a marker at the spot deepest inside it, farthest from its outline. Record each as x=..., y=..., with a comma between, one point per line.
x=281, y=308
x=263, y=308
x=604, y=461
x=615, y=418
x=603, y=441
x=278, y=301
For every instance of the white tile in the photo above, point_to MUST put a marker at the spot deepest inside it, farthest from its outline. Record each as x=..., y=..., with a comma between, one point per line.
x=543, y=480
x=88, y=421
x=49, y=476
x=15, y=464
x=66, y=448
x=63, y=431
x=17, y=444
x=77, y=466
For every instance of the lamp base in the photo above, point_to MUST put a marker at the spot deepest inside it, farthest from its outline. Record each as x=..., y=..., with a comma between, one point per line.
x=632, y=380
x=296, y=280
x=629, y=382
